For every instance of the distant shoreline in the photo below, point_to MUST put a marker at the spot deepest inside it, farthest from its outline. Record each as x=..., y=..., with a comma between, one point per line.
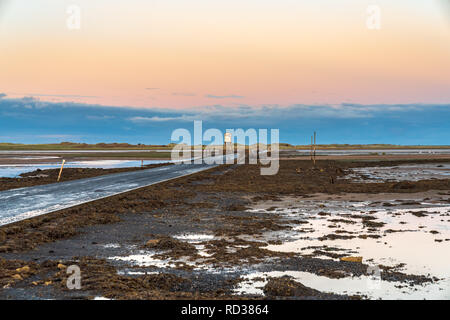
x=130, y=147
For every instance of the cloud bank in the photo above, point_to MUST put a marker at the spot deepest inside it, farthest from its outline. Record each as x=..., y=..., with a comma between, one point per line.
x=233, y=96
x=30, y=120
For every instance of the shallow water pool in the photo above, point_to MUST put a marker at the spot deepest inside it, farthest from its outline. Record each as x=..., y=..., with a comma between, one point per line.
x=15, y=170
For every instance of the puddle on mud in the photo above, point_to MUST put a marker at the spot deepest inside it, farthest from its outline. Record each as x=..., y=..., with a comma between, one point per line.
x=399, y=173
x=365, y=286
x=196, y=240
x=145, y=258
x=413, y=224
x=111, y=245
x=194, y=237
x=415, y=238
x=14, y=170
x=135, y=273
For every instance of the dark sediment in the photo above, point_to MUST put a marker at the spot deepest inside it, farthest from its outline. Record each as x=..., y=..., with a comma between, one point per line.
x=211, y=202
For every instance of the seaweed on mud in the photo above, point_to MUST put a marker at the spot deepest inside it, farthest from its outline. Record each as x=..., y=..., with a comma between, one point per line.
x=172, y=248
x=40, y=177
x=372, y=224
x=327, y=254
x=13, y=271
x=234, y=225
x=419, y=213
x=170, y=195
x=102, y=278
x=285, y=287
x=333, y=236
x=342, y=221
x=242, y=251
x=177, y=203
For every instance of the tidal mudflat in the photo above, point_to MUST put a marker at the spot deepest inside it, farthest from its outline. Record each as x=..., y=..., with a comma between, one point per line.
x=322, y=232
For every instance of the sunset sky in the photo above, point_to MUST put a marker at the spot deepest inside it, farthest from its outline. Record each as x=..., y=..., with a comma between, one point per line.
x=191, y=55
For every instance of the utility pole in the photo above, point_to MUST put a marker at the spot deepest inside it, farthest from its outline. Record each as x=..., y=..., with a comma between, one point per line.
x=314, y=148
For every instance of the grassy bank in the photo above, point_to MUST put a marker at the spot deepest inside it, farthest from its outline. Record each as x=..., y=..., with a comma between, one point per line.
x=81, y=146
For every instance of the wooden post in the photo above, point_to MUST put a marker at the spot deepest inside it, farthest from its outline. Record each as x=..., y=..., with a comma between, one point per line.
x=314, y=148
x=60, y=171
x=311, y=150
x=142, y=163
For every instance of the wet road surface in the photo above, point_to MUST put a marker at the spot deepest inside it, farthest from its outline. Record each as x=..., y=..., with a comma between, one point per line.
x=23, y=203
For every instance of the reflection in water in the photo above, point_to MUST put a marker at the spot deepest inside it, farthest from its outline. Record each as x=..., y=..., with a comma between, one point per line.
x=13, y=171
x=376, y=152
x=400, y=173
x=415, y=239
x=364, y=285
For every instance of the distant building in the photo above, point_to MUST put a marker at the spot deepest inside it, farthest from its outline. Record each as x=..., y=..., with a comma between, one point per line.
x=227, y=137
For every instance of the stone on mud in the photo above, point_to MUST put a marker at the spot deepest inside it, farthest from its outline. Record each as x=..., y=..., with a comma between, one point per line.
x=352, y=259
x=23, y=269
x=17, y=277
x=286, y=287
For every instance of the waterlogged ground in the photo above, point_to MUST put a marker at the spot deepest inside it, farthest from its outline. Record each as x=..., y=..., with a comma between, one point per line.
x=411, y=172
x=377, y=152
x=16, y=170
x=410, y=235
x=331, y=230
x=306, y=233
